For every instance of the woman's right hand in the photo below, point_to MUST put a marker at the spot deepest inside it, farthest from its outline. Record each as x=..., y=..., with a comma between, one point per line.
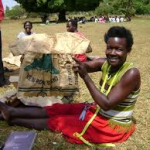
x=22, y=58
x=80, y=68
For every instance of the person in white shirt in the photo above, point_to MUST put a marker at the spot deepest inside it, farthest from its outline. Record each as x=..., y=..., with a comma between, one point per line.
x=121, y=19
x=15, y=60
x=117, y=19
x=28, y=27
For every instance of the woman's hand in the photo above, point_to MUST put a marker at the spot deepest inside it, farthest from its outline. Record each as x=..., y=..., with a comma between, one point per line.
x=80, y=68
x=22, y=58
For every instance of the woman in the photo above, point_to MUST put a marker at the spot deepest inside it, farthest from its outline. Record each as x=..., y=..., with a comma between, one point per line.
x=72, y=26
x=15, y=60
x=27, y=30
x=109, y=118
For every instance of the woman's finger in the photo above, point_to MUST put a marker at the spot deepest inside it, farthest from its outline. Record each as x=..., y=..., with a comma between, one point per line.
x=76, y=60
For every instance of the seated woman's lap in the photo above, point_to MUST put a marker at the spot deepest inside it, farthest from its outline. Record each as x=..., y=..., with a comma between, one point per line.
x=67, y=109
x=99, y=131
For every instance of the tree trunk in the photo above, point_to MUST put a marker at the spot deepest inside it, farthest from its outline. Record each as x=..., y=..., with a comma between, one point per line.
x=129, y=8
x=62, y=16
x=44, y=18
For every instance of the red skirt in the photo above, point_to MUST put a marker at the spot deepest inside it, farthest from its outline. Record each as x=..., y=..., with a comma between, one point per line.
x=64, y=118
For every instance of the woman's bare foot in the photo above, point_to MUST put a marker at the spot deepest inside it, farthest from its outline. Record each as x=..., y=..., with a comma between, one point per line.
x=4, y=111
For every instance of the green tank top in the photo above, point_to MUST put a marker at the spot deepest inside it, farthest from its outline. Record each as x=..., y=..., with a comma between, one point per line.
x=122, y=112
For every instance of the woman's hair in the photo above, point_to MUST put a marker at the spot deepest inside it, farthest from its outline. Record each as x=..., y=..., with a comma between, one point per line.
x=74, y=23
x=28, y=22
x=120, y=32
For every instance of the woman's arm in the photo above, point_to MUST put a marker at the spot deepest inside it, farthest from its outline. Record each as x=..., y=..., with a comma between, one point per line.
x=94, y=65
x=129, y=82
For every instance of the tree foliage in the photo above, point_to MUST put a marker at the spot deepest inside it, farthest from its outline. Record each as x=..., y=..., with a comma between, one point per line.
x=105, y=8
x=116, y=7
x=60, y=6
x=125, y=7
x=101, y=7
x=142, y=6
x=15, y=13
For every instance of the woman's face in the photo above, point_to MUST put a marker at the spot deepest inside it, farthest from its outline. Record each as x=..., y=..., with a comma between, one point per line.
x=116, y=51
x=70, y=27
x=28, y=27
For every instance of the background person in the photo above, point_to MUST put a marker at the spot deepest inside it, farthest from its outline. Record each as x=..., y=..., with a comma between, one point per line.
x=15, y=60
x=72, y=26
x=27, y=30
x=113, y=103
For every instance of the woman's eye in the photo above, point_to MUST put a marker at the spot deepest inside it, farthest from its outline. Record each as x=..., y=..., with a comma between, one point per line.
x=119, y=49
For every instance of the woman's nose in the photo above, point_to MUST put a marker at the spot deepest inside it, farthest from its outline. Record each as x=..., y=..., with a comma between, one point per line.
x=113, y=51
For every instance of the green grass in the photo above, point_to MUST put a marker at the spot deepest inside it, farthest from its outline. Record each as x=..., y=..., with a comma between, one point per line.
x=140, y=54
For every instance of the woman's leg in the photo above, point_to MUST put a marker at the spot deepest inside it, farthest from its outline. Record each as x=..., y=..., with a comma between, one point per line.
x=38, y=124
x=65, y=109
x=27, y=112
x=37, y=112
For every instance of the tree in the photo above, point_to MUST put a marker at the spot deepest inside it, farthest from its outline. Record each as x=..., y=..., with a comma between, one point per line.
x=125, y=7
x=16, y=12
x=116, y=7
x=7, y=9
x=142, y=6
x=104, y=8
x=58, y=6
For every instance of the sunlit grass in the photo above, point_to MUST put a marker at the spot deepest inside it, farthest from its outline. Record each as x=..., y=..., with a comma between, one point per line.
x=140, y=54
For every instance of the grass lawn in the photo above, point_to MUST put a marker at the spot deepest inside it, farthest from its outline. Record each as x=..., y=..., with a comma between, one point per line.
x=140, y=54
